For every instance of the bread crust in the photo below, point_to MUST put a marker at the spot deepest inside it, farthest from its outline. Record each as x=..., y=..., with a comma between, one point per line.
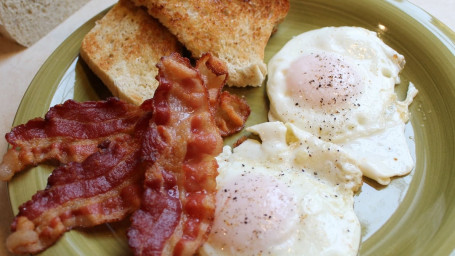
x=123, y=49
x=236, y=31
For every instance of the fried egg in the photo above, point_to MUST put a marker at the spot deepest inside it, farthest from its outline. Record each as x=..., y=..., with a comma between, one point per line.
x=338, y=83
x=288, y=194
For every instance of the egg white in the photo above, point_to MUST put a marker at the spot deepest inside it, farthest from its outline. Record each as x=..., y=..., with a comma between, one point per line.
x=338, y=84
x=290, y=194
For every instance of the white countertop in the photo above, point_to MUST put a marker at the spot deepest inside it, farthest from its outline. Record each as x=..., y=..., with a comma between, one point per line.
x=18, y=65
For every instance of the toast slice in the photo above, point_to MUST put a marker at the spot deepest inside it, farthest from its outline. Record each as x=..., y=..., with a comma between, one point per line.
x=235, y=31
x=123, y=49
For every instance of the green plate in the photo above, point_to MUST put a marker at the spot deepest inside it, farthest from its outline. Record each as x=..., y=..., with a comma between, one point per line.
x=414, y=215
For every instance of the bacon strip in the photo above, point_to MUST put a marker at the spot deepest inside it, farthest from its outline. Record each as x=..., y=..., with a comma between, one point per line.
x=229, y=110
x=179, y=190
x=231, y=114
x=105, y=187
x=69, y=132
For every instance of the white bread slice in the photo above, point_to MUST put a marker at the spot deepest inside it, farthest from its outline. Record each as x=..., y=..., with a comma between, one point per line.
x=26, y=21
x=123, y=49
x=235, y=31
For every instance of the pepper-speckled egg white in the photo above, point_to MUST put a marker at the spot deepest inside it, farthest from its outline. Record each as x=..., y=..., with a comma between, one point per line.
x=338, y=83
x=288, y=194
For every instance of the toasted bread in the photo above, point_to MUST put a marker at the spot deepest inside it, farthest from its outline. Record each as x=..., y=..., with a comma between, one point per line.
x=123, y=49
x=235, y=31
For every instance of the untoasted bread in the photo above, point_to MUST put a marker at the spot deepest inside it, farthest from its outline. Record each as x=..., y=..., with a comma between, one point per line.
x=123, y=49
x=235, y=31
x=27, y=21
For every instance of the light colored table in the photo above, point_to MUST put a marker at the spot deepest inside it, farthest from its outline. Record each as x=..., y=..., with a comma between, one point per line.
x=18, y=65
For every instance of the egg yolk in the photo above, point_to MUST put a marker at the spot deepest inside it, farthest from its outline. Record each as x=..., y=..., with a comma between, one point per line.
x=323, y=81
x=253, y=212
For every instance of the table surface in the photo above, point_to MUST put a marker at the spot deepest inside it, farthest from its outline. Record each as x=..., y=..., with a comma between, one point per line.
x=18, y=65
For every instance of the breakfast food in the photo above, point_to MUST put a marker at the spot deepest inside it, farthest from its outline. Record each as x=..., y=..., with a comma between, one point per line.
x=70, y=132
x=28, y=21
x=338, y=84
x=123, y=49
x=104, y=188
x=156, y=159
x=234, y=31
x=178, y=201
x=290, y=194
x=230, y=111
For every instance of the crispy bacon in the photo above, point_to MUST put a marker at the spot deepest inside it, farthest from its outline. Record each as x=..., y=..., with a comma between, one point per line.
x=229, y=110
x=105, y=187
x=179, y=189
x=156, y=160
x=69, y=132
x=231, y=113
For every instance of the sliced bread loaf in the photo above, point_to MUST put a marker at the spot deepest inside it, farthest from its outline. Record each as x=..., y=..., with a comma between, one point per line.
x=28, y=21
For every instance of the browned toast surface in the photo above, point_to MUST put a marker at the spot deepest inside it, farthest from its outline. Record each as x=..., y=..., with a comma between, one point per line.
x=236, y=31
x=123, y=49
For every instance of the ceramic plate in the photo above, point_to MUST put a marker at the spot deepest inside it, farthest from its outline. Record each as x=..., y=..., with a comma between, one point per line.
x=414, y=215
